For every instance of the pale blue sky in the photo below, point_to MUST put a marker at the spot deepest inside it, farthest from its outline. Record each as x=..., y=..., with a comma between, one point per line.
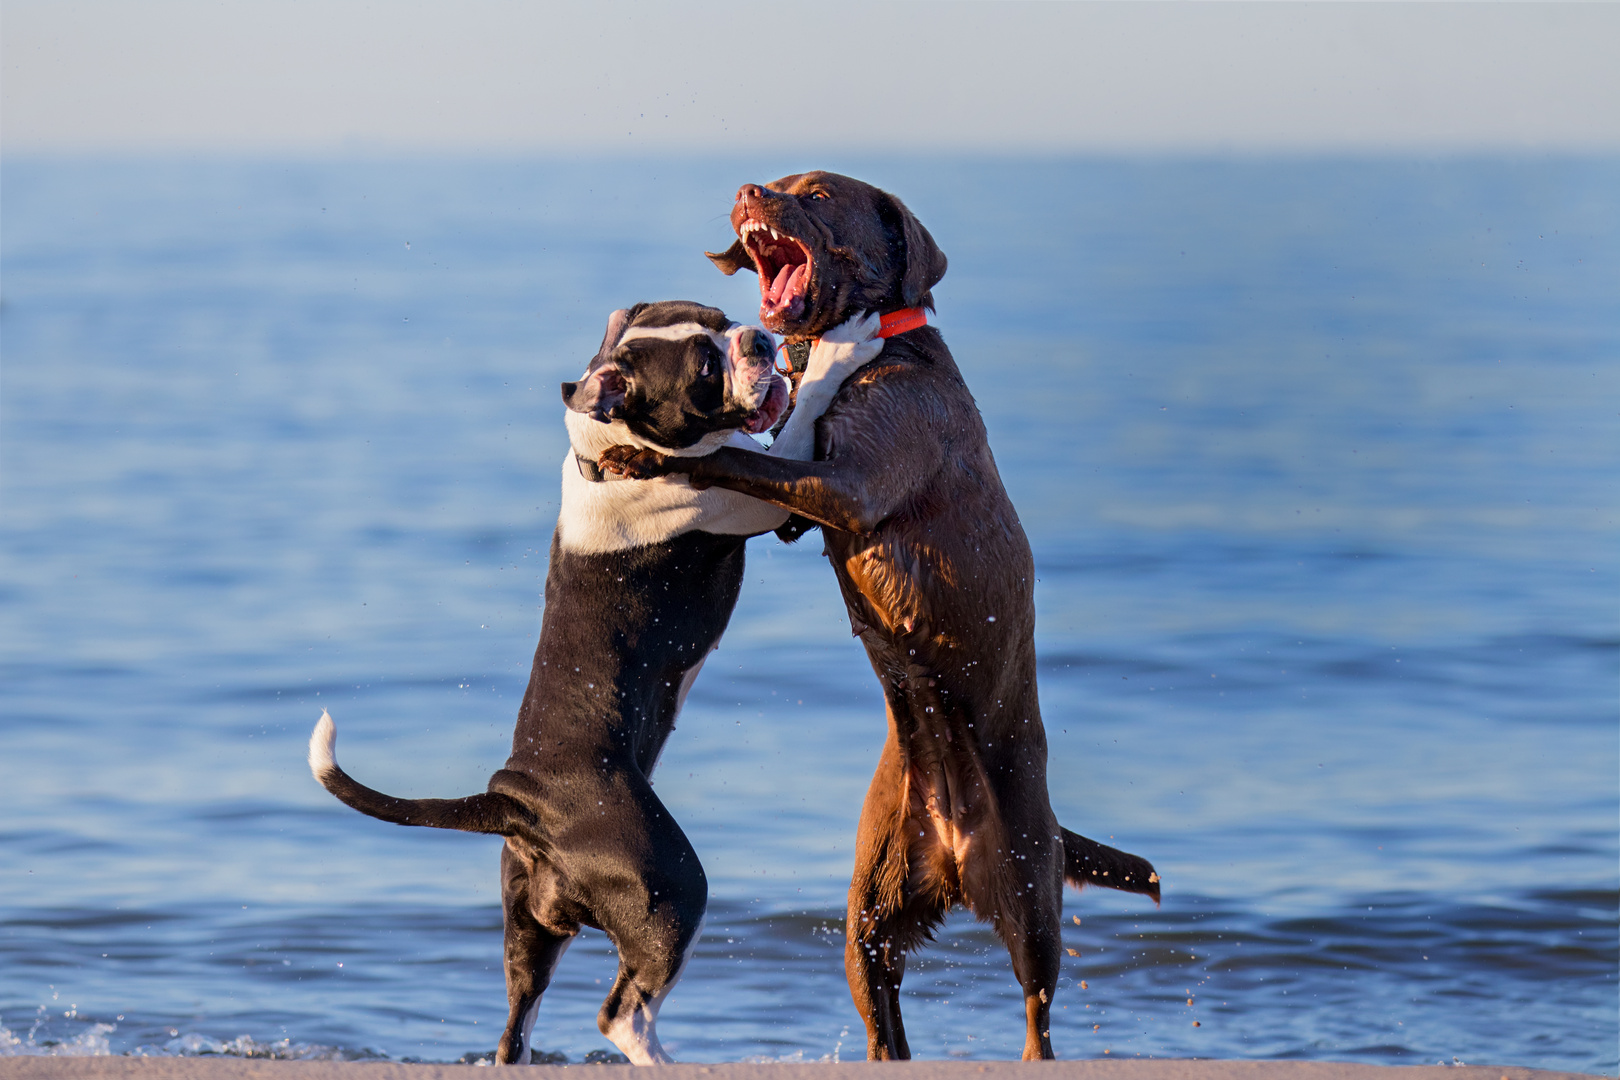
x=317, y=75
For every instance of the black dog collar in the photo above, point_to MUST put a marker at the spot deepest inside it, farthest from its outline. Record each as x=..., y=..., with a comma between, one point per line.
x=798, y=355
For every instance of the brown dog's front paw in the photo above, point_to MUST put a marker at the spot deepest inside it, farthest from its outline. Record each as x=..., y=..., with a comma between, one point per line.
x=635, y=462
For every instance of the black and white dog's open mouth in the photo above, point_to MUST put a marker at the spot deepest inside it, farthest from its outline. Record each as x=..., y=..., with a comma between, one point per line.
x=770, y=410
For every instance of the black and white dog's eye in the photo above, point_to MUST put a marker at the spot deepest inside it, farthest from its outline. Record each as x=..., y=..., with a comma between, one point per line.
x=705, y=370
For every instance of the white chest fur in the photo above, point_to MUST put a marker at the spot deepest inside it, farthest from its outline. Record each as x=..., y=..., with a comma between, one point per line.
x=617, y=514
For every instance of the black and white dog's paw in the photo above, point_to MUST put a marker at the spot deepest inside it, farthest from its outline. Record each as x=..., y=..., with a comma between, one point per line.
x=834, y=357
x=847, y=346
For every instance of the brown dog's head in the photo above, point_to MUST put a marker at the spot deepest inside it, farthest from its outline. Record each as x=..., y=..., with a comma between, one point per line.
x=827, y=247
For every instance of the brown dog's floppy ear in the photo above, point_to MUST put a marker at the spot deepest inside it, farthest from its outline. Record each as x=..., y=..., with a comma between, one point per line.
x=925, y=263
x=733, y=259
x=599, y=393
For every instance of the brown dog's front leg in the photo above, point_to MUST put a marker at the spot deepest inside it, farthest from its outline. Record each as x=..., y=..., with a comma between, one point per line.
x=867, y=476
x=640, y=463
x=837, y=493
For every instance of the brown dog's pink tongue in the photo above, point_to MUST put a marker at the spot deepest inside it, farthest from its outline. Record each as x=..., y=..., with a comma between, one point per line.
x=780, y=285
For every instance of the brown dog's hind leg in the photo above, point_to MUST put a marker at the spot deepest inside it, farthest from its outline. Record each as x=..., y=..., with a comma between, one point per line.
x=875, y=964
x=886, y=918
x=1036, y=963
x=532, y=953
x=1016, y=882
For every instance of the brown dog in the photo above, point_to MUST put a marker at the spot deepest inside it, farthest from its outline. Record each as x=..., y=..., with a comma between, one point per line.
x=938, y=578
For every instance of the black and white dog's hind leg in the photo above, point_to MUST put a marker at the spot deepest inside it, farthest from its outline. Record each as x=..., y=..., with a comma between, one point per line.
x=532, y=954
x=629, y=1016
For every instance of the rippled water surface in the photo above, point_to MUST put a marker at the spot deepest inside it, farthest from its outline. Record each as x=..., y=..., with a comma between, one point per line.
x=1318, y=460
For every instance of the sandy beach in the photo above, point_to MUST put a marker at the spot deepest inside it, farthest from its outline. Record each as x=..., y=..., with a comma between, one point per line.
x=226, y=1068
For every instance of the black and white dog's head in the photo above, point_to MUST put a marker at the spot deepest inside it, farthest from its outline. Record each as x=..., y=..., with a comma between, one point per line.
x=676, y=376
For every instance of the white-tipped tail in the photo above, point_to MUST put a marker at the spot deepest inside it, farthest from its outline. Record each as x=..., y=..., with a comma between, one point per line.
x=321, y=742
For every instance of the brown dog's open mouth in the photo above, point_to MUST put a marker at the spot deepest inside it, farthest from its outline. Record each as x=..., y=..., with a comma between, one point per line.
x=784, y=270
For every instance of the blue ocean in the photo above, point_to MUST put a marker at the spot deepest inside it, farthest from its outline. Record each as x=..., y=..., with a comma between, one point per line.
x=1318, y=458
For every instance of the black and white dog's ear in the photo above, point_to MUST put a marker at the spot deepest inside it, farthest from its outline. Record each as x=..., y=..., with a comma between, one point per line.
x=733, y=259
x=615, y=330
x=599, y=393
x=601, y=390
x=925, y=263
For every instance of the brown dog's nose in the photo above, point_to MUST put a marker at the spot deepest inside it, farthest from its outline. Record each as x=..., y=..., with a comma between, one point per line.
x=748, y=192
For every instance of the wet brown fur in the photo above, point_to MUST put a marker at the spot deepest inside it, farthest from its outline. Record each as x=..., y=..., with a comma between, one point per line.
x=938, y=579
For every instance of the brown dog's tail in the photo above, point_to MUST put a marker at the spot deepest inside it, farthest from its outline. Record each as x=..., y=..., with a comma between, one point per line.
x=490, y=812
x=1086, y=862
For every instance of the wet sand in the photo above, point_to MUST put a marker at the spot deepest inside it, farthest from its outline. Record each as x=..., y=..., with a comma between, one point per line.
x=226, y=1068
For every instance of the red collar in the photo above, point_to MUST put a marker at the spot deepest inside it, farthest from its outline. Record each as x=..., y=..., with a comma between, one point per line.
x=898, y=322
x=895, y=322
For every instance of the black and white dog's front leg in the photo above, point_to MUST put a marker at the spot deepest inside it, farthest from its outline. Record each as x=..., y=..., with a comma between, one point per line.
x=835, y=356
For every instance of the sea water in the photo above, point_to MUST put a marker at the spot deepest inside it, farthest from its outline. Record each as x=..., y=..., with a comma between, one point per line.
x=1317, y=457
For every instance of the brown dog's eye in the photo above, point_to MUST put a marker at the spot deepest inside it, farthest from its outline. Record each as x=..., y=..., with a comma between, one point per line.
x=819, y=195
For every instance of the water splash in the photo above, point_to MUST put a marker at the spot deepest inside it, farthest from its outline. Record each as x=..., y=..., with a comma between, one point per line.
x=246, y=1046
x=91, y=1042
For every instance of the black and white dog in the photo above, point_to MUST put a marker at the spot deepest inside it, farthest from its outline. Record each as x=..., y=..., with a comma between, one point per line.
x=643, y=578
